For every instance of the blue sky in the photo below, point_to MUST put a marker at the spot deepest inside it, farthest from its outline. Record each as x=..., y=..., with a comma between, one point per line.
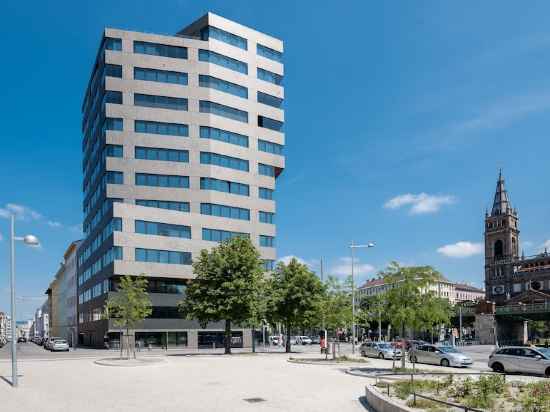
x=398, y=117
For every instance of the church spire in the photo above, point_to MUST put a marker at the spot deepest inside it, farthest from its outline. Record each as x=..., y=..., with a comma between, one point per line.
x=501, y=204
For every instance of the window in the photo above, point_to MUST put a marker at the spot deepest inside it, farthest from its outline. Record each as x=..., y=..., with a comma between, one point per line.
x=266, y=170
x=156, y=49
x=163, y=256
x=270, y=100
x=115, y=178
x=164, y=204
x=230, y=212
x=161, y=76
x=267, y=241
x=223, y=136
x=222, y=35
x=224, y=61
x=113, y=97
x=267, y=217
x=160, y=102
x=113, y=44
x=169, y=129
x=113, y=150
x=162, y=229
x=269, y=265
x=112, y=124
x=216, y=159
x=265, y=193
x=269, y=53
x=270, y=123
x=169, y=155
x=269, y=147
x=224, y=111
x=215, y=235
x=209, y=183
x=113, y=70
x=146, y=179
x=270, y=77
x=223, y=86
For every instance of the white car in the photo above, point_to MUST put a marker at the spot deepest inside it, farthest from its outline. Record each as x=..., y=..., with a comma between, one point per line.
x=521, y=359
x=303, y=340
x=439, y=355
x=59, y=345
x=381, y=350
x=48, y=343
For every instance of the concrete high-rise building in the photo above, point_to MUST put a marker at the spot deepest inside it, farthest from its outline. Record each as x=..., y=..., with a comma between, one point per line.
x=183, y=140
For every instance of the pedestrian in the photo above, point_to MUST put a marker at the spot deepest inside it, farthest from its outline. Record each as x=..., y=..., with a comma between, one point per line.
x=322, y=345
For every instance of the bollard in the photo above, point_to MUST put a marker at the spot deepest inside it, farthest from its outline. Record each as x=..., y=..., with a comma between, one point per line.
x=333, y=351
x=214, y=345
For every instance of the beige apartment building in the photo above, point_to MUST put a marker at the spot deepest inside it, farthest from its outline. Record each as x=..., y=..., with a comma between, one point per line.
x=182, y=144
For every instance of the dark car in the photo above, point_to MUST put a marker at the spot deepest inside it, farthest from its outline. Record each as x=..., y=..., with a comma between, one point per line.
x=21, y=339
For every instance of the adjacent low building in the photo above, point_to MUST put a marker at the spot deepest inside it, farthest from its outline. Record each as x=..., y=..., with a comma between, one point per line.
x=465, y=292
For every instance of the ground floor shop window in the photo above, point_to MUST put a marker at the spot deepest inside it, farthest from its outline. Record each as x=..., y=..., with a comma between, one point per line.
x=207, y=339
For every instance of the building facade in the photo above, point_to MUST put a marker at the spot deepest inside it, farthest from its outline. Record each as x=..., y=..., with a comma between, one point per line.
x=510, y=277
x=468, y=293
x=63, y=294
x=442, y=288
x=5, y=327
x=182, y=146
x=42, y=322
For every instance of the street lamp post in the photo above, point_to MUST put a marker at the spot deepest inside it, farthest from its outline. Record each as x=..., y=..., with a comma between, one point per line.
x=31, y=241
x=352, y=247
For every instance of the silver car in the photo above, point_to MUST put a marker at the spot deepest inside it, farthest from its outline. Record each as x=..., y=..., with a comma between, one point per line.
x=521, y=359
x=439, y=355
x=59, y=345
x=381, y=350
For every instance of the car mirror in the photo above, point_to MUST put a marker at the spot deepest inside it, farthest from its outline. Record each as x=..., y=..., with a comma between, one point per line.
x=538, y=357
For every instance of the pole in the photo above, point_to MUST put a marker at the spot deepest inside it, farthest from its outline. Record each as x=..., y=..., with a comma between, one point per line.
x=352, y=304
x=460, y=324
x=12, y=285
x=379, y=325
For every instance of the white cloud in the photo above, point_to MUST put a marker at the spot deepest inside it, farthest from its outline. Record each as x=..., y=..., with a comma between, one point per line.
x=21, y=212
x=53, y=223
x=421, y=203
x=343, y=267
x=462, y=249
x=309, y=263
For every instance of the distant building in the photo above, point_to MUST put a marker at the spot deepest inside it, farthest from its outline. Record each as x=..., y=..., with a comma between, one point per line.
x=509, y=277
x=63, y=296
x=24, y=328
x=4, y=320
x=468, y=293
x=42, y=321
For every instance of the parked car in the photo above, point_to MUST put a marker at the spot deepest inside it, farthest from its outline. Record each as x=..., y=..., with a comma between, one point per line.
x=49, y=341
x=439, y=355
x=412, y=343
x=59, y=345
x=315, y=340
x=521, y=359
x=21, y=339
x=303, y=340
x=382, y=350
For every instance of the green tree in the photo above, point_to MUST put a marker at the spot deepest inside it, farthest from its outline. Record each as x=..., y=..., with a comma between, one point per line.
x=435, y=311
x=372, y=310
x=226, y=286
x=295, y=295
x=336, y=307
x=130, y=305
x=405, y=297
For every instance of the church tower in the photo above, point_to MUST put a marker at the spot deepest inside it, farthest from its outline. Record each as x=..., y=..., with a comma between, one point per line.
x=501, y=245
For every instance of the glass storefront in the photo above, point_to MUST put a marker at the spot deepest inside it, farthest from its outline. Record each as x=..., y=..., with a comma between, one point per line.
x=207, y=339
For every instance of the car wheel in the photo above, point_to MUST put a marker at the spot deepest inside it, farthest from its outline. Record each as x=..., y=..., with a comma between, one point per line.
x=547, y=373
x=363, y=354
x=445, y=363
x=380, y=355
x=497, y=367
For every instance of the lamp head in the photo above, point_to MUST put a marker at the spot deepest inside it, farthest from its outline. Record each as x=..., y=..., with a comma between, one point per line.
x=31, y=240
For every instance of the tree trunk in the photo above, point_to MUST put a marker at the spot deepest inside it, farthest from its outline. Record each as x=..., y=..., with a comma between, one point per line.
x=403, y=346
x=121, y=341
x=227, y=337
x=128, y=343
x=287, y=343
x=253, y=339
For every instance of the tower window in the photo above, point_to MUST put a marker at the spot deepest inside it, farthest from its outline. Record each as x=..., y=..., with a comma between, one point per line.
x=499, y=249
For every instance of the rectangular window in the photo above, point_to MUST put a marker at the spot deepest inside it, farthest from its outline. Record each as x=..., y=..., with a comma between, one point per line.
x=265, y=193
x=115, y=178
x=168, y=155
x=224, y=111
x=223, y=136
x=156, y=49
x=223, y=86
x=162, y=229
x=269, y=147
x=146, y=179
x=269, y=53
x=267, y=241
x=113, y=44
x=270, y=77
x=209, y=183
x=270, y=100
x=160, y=102
x=267, y=217
x=215, y=235
x=112, y=97
x=163, y=256
x=169, y=129
x=112, y=123
x=229, y=212
x=113, y=150
x=222, y=35
x=269, y=265
x=266, y=170
x=224, y=61
x=113, y=70
x=270, y=123
x=164, y=204
x=161, y=76
x=216, y=159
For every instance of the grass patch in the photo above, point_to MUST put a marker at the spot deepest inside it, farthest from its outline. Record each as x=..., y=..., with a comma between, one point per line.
x=427, y=404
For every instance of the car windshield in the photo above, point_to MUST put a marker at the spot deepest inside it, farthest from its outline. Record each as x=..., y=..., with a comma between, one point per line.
x=384, y=346
x=448, y=349
x=545, y=352
x=60, y=341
